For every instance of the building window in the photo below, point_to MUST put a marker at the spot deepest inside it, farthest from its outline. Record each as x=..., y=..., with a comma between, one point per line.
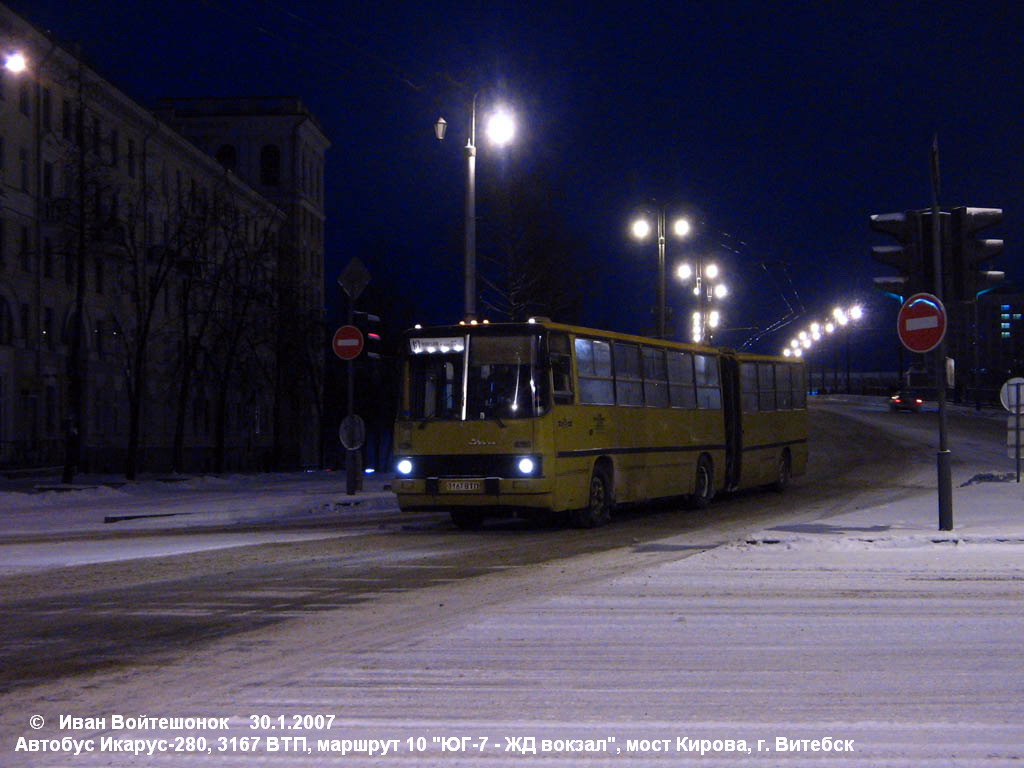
x=24, y=100
x=23, y=162
x=47, y=329
x=47, y=107
x=6, y=321
x=67, y=113
x=131, y=158
x=25, y=330
x=227, y=156
x=115, y=147
x=98, y=331
x=47, y=257
x=50, y=409
x=270, y=166
x=99, y=275
x=47, y=180
x=26, y=249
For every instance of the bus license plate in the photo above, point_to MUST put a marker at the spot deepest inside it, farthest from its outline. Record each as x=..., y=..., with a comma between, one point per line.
x=462, y=486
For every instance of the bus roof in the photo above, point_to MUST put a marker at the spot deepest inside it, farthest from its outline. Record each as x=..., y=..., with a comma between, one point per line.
x=500, y=329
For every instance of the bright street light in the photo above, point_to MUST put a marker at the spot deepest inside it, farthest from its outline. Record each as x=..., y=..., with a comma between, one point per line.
x=641, y=229
x=501, y=128
x=16, y=62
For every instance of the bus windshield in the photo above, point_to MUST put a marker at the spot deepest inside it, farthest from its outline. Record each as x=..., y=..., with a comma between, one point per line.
x=503, y=379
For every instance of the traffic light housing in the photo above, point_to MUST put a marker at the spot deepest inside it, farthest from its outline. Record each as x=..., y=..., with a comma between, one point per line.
x=967, y=253
x=369, y=324
x=908, y=258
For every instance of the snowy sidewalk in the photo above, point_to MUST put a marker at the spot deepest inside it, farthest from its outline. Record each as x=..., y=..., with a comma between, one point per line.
x=104, y=504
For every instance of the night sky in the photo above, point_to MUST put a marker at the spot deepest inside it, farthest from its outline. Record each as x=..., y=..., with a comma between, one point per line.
x=778, y=128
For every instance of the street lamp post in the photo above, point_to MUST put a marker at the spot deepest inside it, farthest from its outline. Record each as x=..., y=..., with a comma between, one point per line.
x=641, y=229
x=500, y=130
x=706, y=287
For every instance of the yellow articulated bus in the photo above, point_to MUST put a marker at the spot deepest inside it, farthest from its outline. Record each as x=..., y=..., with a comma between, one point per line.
x=557, y=421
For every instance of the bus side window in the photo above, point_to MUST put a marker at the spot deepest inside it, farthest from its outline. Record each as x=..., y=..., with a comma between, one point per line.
x=629, y=387
x=561, y=368
x=594, y=368
x=784, y=386
x=748, y=387
x=799, y=389
x=655, y=378
x=680, y=376
x=766, y=386
x=709, y=391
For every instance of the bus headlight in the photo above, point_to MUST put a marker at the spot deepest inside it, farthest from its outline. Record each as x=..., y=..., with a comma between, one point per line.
x=404, y=467
x=526, y=465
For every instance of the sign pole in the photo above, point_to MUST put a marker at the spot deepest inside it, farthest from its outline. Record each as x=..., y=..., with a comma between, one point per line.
x=353, y=280
x=1017, y=416
x=351, y=465
x=943, y=459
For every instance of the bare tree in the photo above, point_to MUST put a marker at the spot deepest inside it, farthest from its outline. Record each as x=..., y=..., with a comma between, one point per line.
x=532, y=264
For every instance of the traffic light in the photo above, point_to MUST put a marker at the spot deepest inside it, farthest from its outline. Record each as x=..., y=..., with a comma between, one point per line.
x=908, y=258
x=966, y=280
x=370, y=327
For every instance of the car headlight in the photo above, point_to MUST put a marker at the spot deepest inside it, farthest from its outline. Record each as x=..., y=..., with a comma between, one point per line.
x=526, y=465
x=404, y=467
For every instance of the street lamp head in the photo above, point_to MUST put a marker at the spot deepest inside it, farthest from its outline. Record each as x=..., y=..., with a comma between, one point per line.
x=440, y=128
x=711, y=271
x=501, y=128
x=681, y=227
x=641, y=229
x=856, y=312
x=684, y=272
x=15, y=62
x=721, y=291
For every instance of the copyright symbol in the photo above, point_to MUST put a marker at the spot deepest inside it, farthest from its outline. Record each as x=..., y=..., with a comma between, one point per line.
x=36, y=722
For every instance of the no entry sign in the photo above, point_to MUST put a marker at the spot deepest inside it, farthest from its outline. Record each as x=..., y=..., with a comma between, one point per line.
x=348, y=342
x=921, y=323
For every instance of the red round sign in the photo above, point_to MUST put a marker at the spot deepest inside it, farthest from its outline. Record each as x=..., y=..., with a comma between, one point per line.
x=348, y=342
x=921, y=324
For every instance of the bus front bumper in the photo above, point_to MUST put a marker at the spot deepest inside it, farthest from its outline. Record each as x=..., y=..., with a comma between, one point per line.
x=473, y=492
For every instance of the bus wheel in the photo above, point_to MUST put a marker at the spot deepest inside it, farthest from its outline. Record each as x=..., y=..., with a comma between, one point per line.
x=467, y=520
x=598, y=511
x=704, y=488
x=784, y=473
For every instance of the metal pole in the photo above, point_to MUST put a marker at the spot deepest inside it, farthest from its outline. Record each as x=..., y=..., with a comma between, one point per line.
x=470, y=255
x=351, y=468
x=661, y=273
x=943, y=460
x=1016, y=411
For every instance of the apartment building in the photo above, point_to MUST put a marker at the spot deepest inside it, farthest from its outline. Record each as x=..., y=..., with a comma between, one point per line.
x=160, y=273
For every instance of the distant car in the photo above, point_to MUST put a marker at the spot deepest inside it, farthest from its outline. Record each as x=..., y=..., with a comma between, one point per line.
x=904, y=401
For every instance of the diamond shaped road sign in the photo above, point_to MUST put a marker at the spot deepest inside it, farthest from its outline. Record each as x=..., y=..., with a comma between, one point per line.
x=353, y=278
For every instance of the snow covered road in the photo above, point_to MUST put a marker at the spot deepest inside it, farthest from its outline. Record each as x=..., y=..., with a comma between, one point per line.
x=753, y=637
